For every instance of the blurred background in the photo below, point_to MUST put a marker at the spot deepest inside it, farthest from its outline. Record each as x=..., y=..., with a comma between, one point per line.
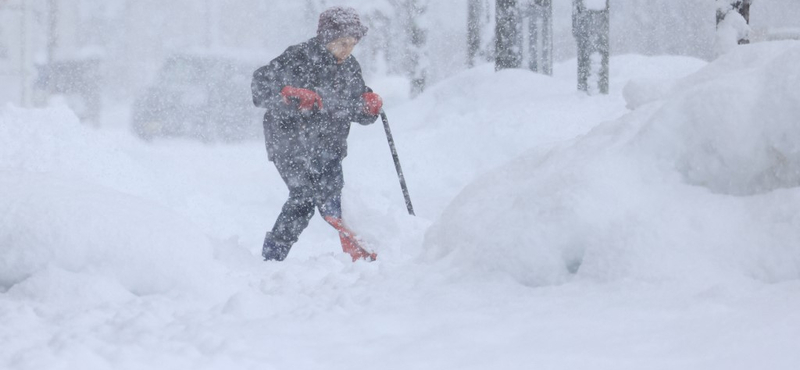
x=182, y=68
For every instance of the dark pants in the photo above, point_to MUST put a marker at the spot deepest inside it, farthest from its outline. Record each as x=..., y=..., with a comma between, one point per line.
x=312, y=184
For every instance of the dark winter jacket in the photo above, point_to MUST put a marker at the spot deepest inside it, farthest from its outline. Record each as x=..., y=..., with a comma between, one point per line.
x=320, y=135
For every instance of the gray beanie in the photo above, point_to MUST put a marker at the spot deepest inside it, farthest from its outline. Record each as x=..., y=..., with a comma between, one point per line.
x=339, y=21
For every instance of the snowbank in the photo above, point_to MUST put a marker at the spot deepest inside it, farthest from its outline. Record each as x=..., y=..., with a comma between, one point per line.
x=104, y=239
x=479, y=119
x=66, y=207
x=699, y=187
x=732, y=127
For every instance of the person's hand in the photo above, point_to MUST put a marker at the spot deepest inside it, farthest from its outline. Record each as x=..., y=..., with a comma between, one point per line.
x=372, y=103
x=307, y=98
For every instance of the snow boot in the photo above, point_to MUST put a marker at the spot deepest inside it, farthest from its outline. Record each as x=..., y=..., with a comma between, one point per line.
x=274, y=251
x=350, y=243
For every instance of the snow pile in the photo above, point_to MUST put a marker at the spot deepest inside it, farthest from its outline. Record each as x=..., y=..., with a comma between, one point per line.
x=479, y=119
x=651, y=79
x=61, y=214
x=699, y=187
x=733, y=126
x=732, y=28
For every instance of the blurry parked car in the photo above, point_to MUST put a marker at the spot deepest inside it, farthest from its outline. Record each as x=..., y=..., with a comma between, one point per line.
x=199, y=95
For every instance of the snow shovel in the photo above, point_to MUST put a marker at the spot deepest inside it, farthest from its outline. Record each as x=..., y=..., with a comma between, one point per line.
x=397, y=163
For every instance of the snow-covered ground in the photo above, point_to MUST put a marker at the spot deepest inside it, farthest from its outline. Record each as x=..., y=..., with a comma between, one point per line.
x=554, y=230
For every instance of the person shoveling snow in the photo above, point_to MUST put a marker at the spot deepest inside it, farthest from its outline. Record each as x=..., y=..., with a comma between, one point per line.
x=312, y=92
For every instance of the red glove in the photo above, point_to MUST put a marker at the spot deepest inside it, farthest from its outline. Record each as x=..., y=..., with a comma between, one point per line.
x=372, y=103
x=306, y=97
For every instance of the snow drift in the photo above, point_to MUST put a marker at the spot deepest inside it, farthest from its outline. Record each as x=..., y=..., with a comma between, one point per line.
x=65, y=208
x=700, y=187
x=732, y=127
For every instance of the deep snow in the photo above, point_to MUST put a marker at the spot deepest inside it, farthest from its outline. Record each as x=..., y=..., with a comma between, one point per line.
x=706, y=178
x=554, y=230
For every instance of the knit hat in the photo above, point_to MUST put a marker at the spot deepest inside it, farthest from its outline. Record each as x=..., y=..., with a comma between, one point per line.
x=339, y=21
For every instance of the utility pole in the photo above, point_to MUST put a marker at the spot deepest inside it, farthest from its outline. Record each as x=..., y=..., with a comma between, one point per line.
x=590, y=27
x=52, y=30
x=508, y=43
x=418, y=41
x=473, y=31
x=540, y=36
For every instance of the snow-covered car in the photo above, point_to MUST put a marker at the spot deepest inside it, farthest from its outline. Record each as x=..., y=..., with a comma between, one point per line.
x=198, y=95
